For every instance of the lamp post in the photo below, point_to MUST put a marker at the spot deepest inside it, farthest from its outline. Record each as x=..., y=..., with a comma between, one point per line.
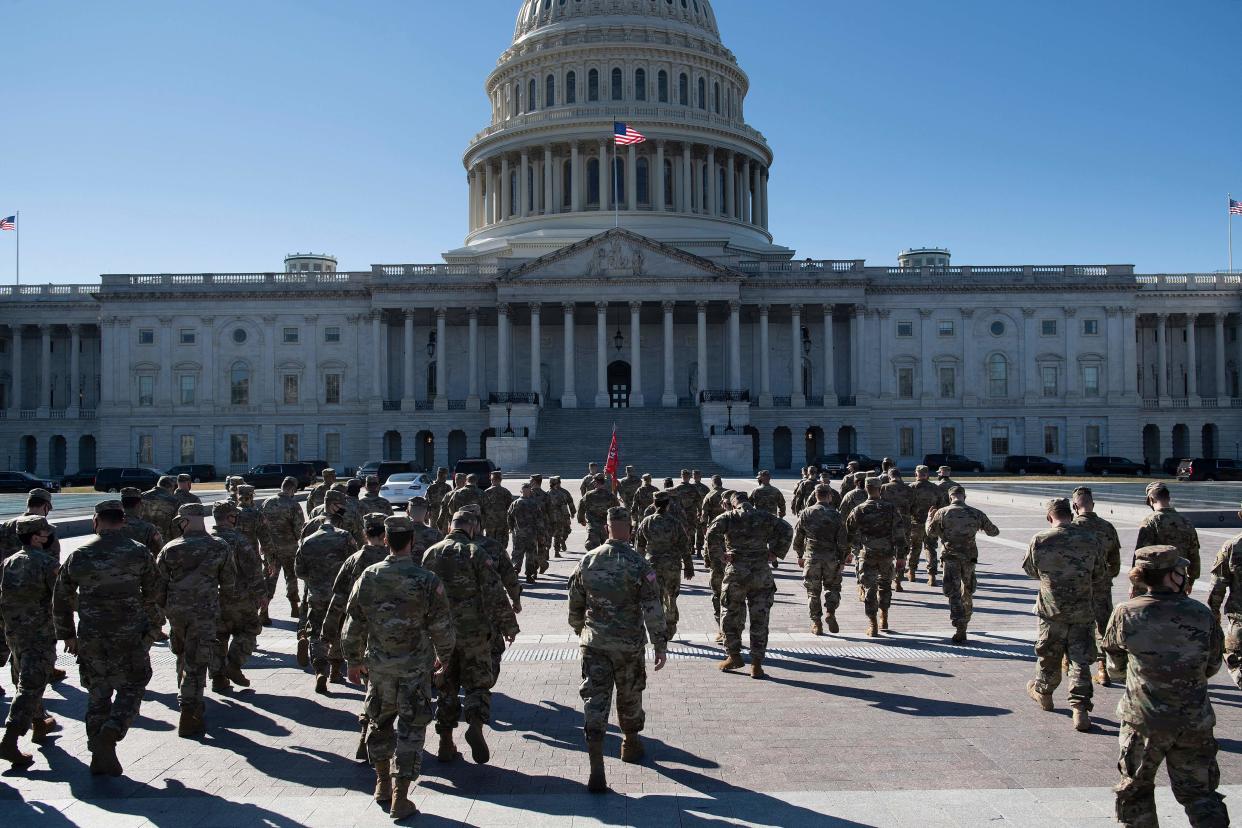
x=509, y=417
x=729, y=428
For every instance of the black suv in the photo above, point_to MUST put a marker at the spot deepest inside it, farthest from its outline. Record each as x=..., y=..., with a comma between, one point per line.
x=481, y=469
x=835, y=464
x=271, y=475
x=16, y=482
x=198, y=472
x=1115, y=465
x=1202, y=468
x=115, y=478
x=384, y=469
x=1032, y=464
x=956, y=462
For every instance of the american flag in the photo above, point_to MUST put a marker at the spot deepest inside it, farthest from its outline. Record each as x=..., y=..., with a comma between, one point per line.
x=1235, y=208
x=9, y=223
x=626, y=135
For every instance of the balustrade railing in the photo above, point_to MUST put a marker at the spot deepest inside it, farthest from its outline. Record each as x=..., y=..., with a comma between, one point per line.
x=724, y=396
x=392, y=405
x=517, y=398
x=847, y=402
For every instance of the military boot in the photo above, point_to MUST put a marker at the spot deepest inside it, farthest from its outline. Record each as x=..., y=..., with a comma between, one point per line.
x=873, y=629
x=1043, y=699
x=103, y=756
x=732, y=662
x=931, y=578
x=264, y=618
x=833, y=626
x=817, y=628
x=185, y=724
x=720, y=637
x=338, y=673
x=632, y=750
x=897, y=587
x=321, y=684
x=383, y=781
x=219, y=684
x=160, y=636
x=293, y=609
x=402, y=807
x=1101, y=675
x=234, y=674
x=478, y=745
x=597, y=783
x=41, y=728
x=756, y=666
x=1082, y=721
x=361, y=753
x=58, y=675
x=959, y=637
x=557, y=553
x=303, y=652
x=9, y=751
x=884, y=620
x=447, y=751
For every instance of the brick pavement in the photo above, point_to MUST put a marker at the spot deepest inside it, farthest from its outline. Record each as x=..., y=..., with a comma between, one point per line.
x=908, y=731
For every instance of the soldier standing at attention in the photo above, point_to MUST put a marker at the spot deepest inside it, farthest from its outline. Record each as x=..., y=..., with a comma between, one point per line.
x=110, y=582
x=1172, y=646
x=766, y=497
x=372, y=502
x=588, y=482
x=480, y=606
x=644, y=496
x=957, y=525
x=875, y=529
x=238, y=633
x=593, y=511
x=563, y=507
x=494, y=503
x=27, y=581
x=285, y=522
x=1085, y=516
x=614, y=609
x=545, y=503
x=926, y=498
x=1227, y=592
x=183, y=492
x=397, y=615
x=1068, y=561
x=159, y=506
x=315, y=499
x=193, y=571
x=663, y=541
x=319, y=559
x=1166, y=527
x=626, y=487
x=527, y=526
x=902, y=497
x=822, y=545
x=752, y=539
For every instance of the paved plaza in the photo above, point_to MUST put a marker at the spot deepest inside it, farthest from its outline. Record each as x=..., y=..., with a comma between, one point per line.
x=847, y=731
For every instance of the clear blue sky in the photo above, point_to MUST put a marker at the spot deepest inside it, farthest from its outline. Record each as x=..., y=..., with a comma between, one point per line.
x=210, y=137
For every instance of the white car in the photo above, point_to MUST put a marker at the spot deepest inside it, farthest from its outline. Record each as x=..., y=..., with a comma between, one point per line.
x=401, y=487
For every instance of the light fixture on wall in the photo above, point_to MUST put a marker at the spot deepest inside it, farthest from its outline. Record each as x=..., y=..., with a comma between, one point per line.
x=806, y=342
x=619, y=339
x=431, y=344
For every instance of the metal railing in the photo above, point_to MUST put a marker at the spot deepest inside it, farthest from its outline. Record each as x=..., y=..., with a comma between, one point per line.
x=392, y=405
x=724, y=396
x=513, y=398
x=847, y=402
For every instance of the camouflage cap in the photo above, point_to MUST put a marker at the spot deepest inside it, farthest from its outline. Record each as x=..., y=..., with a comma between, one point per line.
x=662, y=497
x=108, y=506
x=184, y=478
x=328, y=472
x=373, y=521
x=289, y=482
x=190, y=510
x=685, y=472
x=372, y=480
x=536, y=477
x=617, y=514
x=130, y=493
x=398, y=523
x=1059, y=504
x=1159, y=557
x=599, y=478
x=464, y=514
x=872, y=482
x=166, y=482
x=223, y=509
x=556, y=478
x=956, y=490
x=920, y=469
x=945, y=470
x=1157, y=489
x=473, y=508
x=233, y=480
x=29, y=524
x=339, y=487
x=245, y=490
x=334, y=498
x=39, y=494
x=418, y=502
x=647, y=477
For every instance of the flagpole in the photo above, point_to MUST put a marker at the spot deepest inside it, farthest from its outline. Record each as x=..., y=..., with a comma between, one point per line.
x=1229, y=224
x=17, y=226
x=616, y=196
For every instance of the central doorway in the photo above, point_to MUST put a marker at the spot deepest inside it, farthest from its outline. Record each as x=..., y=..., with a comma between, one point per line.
x=619, y=385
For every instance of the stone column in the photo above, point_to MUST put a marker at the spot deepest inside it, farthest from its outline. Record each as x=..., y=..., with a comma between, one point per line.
x=1162, y=356
x=735, y=345
x=490, y=201
x=107, y=350
x=75, y=368
x=658, y=201
x=408, y=390
x=575, y=174
x=696, y=186
x=1129, y=343
x=830, y=360
x=45, y=368
x=549, y=199
x=536, y=351
x=605, y=178
x=502, y=348
x=687, y=186
x=887, y=378
x=376, y=391
x=472, y=214
x=442, y=391
x=757, y=208
x=766, y=175
x=15, y=403
x=669, y=400
x=1237, y=357
x=713, y=196
x=700, y=309
x=744, y=206
x=569, y=397
x=796, y=391
x=1192, y=357
x=506, y=189
x=208, y=390
x=765, y=359
x=601, y=354
x=472, y=378
x=636, y=356
x=524, y=184
x=1221, y=391
x=311, y=392
x=1026, y=356
x=730, y=186
x=631, y=178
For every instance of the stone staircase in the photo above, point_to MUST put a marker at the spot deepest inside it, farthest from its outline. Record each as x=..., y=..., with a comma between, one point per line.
x=661, y=441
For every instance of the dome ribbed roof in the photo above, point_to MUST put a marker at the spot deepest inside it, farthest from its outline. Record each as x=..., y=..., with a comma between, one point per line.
x=538, y=14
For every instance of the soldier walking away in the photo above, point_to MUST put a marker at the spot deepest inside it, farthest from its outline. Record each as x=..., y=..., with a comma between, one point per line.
x=957, y=525
x=752, y=539
x=822, y=545
x=397, y=616
x=466, y=492
x=252, y=521
x=848, y=478
x=480, y=609
x=1227, y=594
x=926, y=498
x=593, y=511
x=689, y=501
x=1085, y=516
x=563, y=507
x=717, y=502
x=663, y=541
x=545, y=502
x=239, y=628
x=1166, y=527
x=372, y=501
x=627, y=486
x=110, y=582
x=436, y=493
x=1172, y=646
x=183, y=493
x=508, y=579
x=1068, y=561
x=644, y=496
x=614, y=609
x=159, y=506
x=875, y=529
x=315, y=498
x=588, y=482
x=527, y=526
x=701, y=529
x=494, y=504
x=148, y=535
x=902, y=497
x=798, y=501
x=318, y=560
x=766, y=497
x=283, y=517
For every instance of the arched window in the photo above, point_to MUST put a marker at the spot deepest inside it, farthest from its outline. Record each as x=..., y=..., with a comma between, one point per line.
x=644, y=190
x=717, y=96
x=702, y=94
x=683, y=90
x=571, y=88
x=618, y=84
x=593, y=182
x=998, y=376
x=517, y=99
x=662, y=86
x=549, y=91
x=593, y=85
x=640, y=85
x=530, y=96
x=239, y=384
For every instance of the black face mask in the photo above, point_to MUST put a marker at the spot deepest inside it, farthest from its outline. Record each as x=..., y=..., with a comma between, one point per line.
x=1185, y=581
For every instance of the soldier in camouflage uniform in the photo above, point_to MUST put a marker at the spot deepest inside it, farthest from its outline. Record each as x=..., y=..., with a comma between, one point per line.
x=508, y=579
x=110, y=582
x=1227, y=593
x=183, y=493
x=944, y=479
x=148, y=535
x=1172, y=645
x=194, y=571
x=614, y=609
x=751, y=539
x=436, y=493
x=766, y=497
x=527, y=526
x=700, y=531
x=1166, y=527
x=690, y=500
x=667, y=548
x=424, y=533
x=467, y=492
x=545, y=503
x=480, y=610
x=627, y=486
x=957, y=525
x=901, y=496
x=315, y=499
x=798, y=501
x=822, y=545
x=563, y=507
x=1069, y=561
x=252, y=522
x=239, y=628
x=494, y=505
x=593, y=511
x=644, y=496
x=282, y=515
x=876, y=529
x=849, y=478
x=588, y=482
x=38, y=504
x=1085, y=516
x=159, y=506
x=926, y=498
x=717, y=502
x=27, y=581
x=397, y=618
x=371, y=502
x=231, y=482
x=317, y=563
x=834, y=497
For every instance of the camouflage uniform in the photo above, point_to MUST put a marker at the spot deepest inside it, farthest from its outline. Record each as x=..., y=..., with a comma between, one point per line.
x=1173, y=646
x=1069, y=562
x=527, y=526
x=183, y=497
x=752, y=536
x=667, y=549
x=687, y=496
x=238, y=633
x=343, y=586
x=876, y=530
x=1166, y=527
x=768, y=498
x=27, y=581
x=626, y=487
x=1103, y=591
x=509, y=580
x=252, y=522
x=587, y=484
x=284, y=521
x=160, y=508
x=549, y=512
x=495, y=502
x=144, y=532
x=927, y=498
x=480, y=607
x=957, y=525
x=821, y=543
x=643, y=497
x=800, y=494
x=700, y=529
x=563, y=507
x=314, y=499
x=614, y=609
x=373, y=504
x=318, y=561
x=436, y=493
x=593, y=514
x=1227, y=594
x=902, y=498
x=714, y=505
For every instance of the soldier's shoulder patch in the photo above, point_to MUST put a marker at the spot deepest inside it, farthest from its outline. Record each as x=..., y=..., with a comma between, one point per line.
x=439, y=589
x=651, y=576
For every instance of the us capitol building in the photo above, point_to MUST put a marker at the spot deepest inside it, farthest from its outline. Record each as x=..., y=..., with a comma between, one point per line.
x=703, y=339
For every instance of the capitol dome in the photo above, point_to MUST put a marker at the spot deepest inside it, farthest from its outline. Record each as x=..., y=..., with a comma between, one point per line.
x=545, y=172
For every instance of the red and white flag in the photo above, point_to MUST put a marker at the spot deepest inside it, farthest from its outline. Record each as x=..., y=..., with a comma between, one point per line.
x=614, y=458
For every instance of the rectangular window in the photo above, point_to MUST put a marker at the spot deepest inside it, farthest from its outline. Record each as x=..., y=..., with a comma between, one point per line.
x=146, y=450
x=905, y=330
x=1052, y=440
x=146, y=391
x=332, y=334
x=332, y=389
x=239, y=449
x=946, y=328
x=1090, y=327
x=1091, y=380
x=332, y=448
x=948, y=383
x=948, y=440
x=187, y=449
x=291, y=389
x=291, y=448
x=146, y=336
x=290, y=336
x=1000, y=441
x=905, y=383
x=1049, y=375
x=907, y=442
x=1048, y=327
x=1093, y=440
x=188, y=336
x=187, y=388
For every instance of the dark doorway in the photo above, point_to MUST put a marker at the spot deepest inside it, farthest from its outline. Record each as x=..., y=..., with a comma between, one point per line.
x=425, y=444
x=754, y=445
x=1151, y=446
x=814, y=444
x=1211, y=441
x=619, y=385
x=1181, y=441
x=86, y=452
x=392, y=445
x=30, y=453
x=847, y=440
x=457, y=448
x=60, y=450
x=782, y=449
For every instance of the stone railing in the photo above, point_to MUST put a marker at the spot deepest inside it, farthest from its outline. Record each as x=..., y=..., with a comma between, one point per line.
x=724, y=396
x=392, y=405
x=64, y=292
x=847, y=402
x=514, y=398
x=1150, y=403
x=645, y=112
x=1190, y=281
x=805, y=267
x=198, y=280
x=435, y=270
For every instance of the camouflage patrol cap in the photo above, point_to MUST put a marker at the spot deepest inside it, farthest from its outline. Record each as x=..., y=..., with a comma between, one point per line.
x=1159, y=557
x=106, y=506
x=333, y=497
x=662, y=497
x=184, y=478
x=617, y=514
x=190, y=510
x=944, y=470
x=223, y=509
x=823, y=490
x=372, y=480
x=473, y=508
x=339, y=487
x=464, y=515
x=920, y=469
x=872, y=483
x=130, y=493
x=599, y=478
x=39, y=494
x=397, y=524
x=647, y=477
x=1060, y=505
x=417, y=502
x=245, y=490
x=166, y=482
x=328, y=472
x=29, y=524
x=685, y=472
x=954, y=491
x=1157, y=490
x=374, y=521
x=289, y=482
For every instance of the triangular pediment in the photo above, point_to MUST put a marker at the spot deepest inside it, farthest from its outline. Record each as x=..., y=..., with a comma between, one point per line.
x=621, y=254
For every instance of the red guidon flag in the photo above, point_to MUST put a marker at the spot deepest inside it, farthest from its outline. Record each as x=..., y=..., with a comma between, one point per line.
x=614, y=456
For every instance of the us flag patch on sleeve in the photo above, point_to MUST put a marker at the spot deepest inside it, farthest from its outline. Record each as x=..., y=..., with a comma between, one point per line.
x=651, y=576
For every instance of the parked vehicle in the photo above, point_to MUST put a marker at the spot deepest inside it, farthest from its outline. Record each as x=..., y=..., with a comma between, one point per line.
x=317, y=466
x=198, y=472
x=1115, y=465
x=956, y=462
x=271, y=475
x=1202, y=468
x=1171, y=465
x=115, y=478
x=482, y=470
x=1032, y=464
x=835, y=464
x=384, y=469
x=401, y=487
x=17, y=482
x=85, y=477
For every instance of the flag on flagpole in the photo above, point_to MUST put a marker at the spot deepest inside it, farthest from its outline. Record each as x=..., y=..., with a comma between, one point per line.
x=625, y=135
x=8, y=223
x=1235, y=208
x=614, y=458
